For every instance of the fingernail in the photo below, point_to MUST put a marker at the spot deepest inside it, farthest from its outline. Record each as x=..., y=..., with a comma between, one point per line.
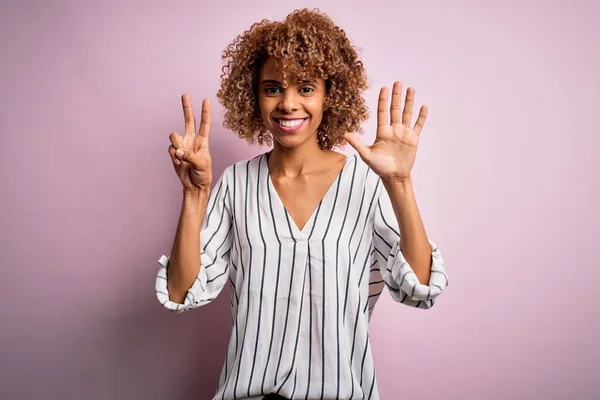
x=179, y=153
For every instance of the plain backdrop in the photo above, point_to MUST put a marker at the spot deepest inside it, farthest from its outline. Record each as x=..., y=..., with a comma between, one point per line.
x=506, y=180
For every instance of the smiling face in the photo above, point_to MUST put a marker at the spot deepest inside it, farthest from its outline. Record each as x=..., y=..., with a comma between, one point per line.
x=292, y=111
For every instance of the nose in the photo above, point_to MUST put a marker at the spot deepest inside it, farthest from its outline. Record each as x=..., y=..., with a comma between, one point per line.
x=289, y=101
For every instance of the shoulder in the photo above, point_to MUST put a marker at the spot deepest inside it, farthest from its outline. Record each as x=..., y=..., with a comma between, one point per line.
x=243, y=167
x=362, y=174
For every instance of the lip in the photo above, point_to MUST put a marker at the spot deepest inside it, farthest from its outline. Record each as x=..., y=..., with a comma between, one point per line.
x=289, y=129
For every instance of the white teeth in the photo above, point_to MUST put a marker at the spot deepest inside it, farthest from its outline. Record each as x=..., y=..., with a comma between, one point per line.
x=290, y=123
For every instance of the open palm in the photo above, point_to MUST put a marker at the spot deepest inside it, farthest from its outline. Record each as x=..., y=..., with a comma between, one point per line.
x=393, y=153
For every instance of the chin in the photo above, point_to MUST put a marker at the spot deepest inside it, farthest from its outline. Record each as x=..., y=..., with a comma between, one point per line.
x=287, y=142
x=290, y=141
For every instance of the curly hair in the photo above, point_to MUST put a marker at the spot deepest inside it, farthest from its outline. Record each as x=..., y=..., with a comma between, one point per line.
x=307, y=45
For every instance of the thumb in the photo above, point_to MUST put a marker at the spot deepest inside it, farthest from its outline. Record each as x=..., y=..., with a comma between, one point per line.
x=187, y=156
x=358, y=145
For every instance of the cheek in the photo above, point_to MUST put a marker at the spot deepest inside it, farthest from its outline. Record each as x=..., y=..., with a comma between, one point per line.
x=264, y=109
x=317, y=107
x=268, y=103
x=317, y=110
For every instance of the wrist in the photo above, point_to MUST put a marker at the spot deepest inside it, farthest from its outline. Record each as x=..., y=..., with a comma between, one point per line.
x=400, y=185
x=195, y=196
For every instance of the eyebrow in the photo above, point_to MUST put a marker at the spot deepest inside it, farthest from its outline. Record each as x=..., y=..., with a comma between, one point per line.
x=279, y=83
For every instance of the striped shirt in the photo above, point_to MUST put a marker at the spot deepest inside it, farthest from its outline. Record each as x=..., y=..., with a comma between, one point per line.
x=301, y=298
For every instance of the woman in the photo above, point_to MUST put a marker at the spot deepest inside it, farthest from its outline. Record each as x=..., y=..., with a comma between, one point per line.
x=306, y=237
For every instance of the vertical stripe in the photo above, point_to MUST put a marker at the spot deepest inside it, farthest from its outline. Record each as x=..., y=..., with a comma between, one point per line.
x=297, y=329
x=337, y=281
x=262, y=283
x=354, y=342
x=324, y=268
x=362, y=235
x=274, y=224
x=294, y=388
x=287, y=313
x=237, y=236
x=372, y=386
x=310, y=326
x=383, y=218
x=362, y=365
x=249, y=280
x=364, y=228
x=360, y=208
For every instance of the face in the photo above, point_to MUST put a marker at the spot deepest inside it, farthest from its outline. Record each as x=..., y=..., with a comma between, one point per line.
x=291, y=112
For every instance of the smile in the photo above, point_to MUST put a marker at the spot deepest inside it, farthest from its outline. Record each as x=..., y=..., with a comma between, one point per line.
x=290, y=125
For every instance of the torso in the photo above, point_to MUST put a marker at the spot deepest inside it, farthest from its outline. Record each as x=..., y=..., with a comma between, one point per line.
x=301, y=296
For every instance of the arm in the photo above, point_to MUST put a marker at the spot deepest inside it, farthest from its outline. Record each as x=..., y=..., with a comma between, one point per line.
x=184, y=263
x=184, y=282
x=413, y=271
x=198, y=269
x=413, y=239
x=396, y=261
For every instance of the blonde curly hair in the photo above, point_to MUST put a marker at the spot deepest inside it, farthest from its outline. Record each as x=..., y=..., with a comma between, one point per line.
x=308, y=45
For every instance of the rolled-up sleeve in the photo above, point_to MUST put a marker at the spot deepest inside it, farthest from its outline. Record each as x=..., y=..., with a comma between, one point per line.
x=216, y=241
x=398, y=275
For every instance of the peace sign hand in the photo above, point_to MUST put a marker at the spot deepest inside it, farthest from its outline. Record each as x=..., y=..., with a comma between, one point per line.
x=190, y=154
x=393, y=153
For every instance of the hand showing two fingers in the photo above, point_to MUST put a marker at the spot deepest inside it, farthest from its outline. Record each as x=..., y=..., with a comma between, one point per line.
x=190, y=153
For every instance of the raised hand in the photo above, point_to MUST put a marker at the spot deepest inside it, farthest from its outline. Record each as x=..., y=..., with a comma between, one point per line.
x=393, y=153
x=190, y=154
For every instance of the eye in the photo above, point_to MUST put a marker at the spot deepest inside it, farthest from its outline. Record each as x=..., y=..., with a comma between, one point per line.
x=306, y=89
x=272, y=90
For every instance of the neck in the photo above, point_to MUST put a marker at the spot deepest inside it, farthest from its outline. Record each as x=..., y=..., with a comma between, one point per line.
x=293, y=162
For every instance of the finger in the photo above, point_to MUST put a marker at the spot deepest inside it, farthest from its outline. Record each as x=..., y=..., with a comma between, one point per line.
x=358, y=145
x=382, y=110
x=396, y=101
x=408, y=106
x=176, y=144
x=191, y=158
x=173, y=157
x=176, y=140
x=421, y=119
x=189, y=119
x=205, y=119
x=204, y=131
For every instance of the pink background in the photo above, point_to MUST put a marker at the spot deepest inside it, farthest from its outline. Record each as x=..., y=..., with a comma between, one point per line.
x=506, y=179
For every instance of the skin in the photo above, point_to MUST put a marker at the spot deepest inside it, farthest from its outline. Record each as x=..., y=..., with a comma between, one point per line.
x=298, y=165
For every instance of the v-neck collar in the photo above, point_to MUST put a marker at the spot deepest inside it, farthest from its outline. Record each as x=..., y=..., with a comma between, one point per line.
x=304, y=233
